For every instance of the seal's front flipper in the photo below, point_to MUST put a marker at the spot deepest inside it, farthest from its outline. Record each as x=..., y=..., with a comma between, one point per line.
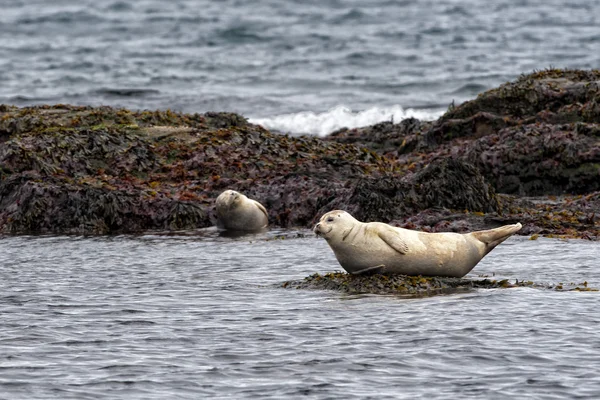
x=378, y=269
x=392, y=239
x=261, y=208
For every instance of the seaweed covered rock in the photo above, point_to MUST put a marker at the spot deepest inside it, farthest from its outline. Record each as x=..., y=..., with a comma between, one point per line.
x=413, y=285
x=563, y=217
x=54, y=204
x=453, y=184
x=535, y=136
x=547, y=91
x=104, y=170
x=443, y=184
x=538, y=159
x=384, y=137
x=99, y=170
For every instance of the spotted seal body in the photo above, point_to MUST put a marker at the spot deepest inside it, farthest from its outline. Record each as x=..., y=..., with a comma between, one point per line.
x=381, y=248
x=237, y=212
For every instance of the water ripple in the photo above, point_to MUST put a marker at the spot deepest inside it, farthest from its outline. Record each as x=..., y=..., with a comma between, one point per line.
x=201, y=56
x=78, y=322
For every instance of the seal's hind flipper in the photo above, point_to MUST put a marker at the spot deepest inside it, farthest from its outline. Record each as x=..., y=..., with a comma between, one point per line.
x=392, y=239
x=493, y=237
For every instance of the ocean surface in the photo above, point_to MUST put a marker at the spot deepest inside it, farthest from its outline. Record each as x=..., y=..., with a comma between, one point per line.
x=297, y=66
x=197, y=315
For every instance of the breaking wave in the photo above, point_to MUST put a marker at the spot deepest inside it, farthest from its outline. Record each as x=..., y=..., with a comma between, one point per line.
x=322, y=124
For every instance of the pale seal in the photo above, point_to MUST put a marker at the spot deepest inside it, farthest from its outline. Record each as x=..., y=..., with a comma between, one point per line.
x=239, y=213
x=381, y=248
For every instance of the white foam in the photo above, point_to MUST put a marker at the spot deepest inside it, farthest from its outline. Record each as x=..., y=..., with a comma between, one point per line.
x=322, y=124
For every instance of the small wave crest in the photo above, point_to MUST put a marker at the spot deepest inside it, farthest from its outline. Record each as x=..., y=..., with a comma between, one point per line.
x=322, y=124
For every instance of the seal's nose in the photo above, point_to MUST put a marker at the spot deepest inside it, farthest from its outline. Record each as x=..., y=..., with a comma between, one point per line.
x=316, y=228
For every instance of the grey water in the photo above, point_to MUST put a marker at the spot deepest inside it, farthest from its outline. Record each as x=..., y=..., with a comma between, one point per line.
x=269, y=58
x=197, y=315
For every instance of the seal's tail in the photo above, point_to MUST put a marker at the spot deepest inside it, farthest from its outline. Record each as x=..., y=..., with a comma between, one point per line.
x=493, y=237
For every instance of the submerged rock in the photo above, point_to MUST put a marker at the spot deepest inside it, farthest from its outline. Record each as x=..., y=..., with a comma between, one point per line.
x=413, y=285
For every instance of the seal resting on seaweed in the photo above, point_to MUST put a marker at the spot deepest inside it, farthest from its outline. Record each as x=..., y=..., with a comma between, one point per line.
x=376, y=247
x=237, y=212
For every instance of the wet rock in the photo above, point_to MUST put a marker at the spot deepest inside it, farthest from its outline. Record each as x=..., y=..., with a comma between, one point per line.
x=534, y=140
x=538, y=159
x=414, y=285
x=385, y=137
x=51, y=205
x=539, y=92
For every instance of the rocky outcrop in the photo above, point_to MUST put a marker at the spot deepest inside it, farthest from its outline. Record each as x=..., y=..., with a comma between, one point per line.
x=101, y=170
x=68, y=169
x=539, y=135
x=443, y=184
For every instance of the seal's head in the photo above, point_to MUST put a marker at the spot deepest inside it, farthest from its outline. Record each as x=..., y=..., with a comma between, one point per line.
x=229, y=199
x=334, y=224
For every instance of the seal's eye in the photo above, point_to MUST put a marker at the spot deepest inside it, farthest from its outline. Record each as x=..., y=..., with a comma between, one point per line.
x=330, y=219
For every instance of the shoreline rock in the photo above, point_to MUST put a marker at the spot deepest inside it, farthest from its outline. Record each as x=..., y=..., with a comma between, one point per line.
x=527, y=151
